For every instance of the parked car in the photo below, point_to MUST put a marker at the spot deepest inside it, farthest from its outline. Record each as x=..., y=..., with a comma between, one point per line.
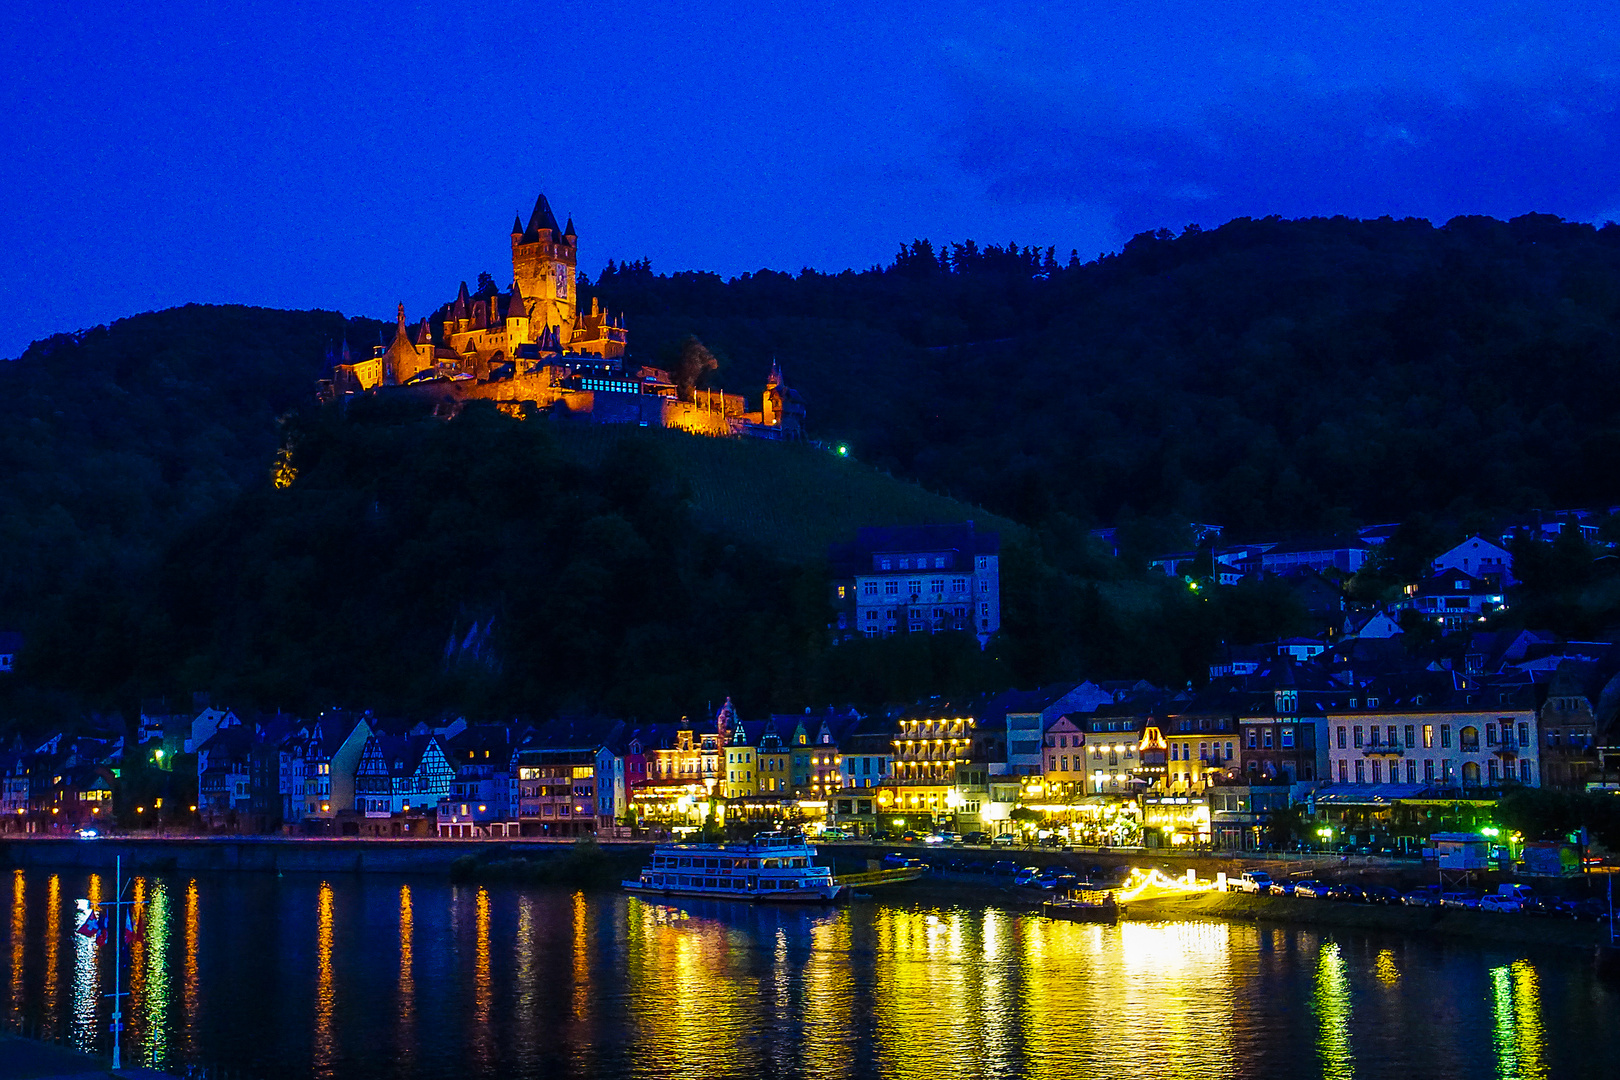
x=1005, y=866
x=908, y=837
x=1344, y=890
x=1549, y=905
x=1428, y=896
x=976, y=838
x=1313, y=890
x=1029, y=875
x=1594, y=909
x=896, y=859
x=1499, y=903
x=1462, y=898
x=880, y=836
x=1381, y=894
x=1005, y=839
x=1284, y=887
x=835, y=834
x=1250, y=881
x=1052, y=841
x=1063, y=879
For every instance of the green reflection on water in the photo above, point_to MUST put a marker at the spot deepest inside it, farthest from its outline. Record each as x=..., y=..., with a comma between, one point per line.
x=1516, y=1022
x=1331, y=1004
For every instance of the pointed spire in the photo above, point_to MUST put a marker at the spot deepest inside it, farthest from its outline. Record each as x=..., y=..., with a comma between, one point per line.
x=517, y=224
x=775, y=377
x=542, y=218
x=460, y=311
x=424, y=335
x=517, y=307
x=346, y=359
x=569, y=231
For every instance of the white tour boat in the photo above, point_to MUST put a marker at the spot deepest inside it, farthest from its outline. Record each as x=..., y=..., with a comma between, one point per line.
x=771, y=866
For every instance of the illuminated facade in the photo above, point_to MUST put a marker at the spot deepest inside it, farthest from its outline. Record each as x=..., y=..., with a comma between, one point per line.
x=918, y=579
x=556, y=791
x=533, y=348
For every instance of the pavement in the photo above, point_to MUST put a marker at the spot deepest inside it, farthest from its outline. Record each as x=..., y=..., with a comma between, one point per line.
x=25, y=1059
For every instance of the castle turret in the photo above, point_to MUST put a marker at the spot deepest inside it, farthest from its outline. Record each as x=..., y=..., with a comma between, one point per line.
x=517, y=316
x=543, y=265
x=401, y=361
x=461, y=310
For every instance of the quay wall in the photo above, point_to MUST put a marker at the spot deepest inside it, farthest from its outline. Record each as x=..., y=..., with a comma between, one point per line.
x=274, y=854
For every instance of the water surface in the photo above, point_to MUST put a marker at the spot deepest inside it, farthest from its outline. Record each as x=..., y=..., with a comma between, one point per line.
x=356, y=976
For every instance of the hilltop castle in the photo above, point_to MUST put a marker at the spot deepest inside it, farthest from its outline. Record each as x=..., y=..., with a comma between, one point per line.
x=533, y=349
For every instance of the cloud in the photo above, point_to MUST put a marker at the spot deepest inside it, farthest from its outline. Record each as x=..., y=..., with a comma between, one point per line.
x=1230, y=131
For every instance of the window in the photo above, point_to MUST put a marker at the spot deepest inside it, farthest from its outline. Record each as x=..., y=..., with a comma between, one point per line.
x=1410, y=731
x=1267, y=737
x=1254, y=739
x=1524, y=771
x=891, y=588
x=1392, y=740
x=1228, y=751
x=936, y=585
x=914, y=586
x=905, y=564
x=1495, y=779
x=1411, y=770
x=939, y=562
x=1342, y=741
x=1287, y=738
x=1445, y=736
x=1428, y=770
x=1358, y=735
x=1428, y=736
x=1361, y=772
x=886, y=564
x=1344, y=771
x=1377, y=771
x=1524, y=734
x=983, y=563
x=841, y=590
x=869, y=588
x=1490, y=734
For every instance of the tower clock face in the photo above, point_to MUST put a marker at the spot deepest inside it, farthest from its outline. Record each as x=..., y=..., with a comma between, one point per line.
x=562, y=281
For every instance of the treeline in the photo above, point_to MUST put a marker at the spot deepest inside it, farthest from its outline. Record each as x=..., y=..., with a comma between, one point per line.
x=1268, y=374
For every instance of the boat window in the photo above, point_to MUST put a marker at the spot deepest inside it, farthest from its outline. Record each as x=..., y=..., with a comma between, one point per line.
x=686, y=862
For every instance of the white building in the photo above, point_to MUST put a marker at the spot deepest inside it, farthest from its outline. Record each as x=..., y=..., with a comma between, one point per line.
x=1478, y=558
x=1482, y=737
x=920, y=579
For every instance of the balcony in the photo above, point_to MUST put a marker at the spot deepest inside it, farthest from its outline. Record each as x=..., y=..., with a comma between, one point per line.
x=1382, y=750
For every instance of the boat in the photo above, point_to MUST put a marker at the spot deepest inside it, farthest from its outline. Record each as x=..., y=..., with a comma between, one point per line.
x=1083, y=905
x=771, y=867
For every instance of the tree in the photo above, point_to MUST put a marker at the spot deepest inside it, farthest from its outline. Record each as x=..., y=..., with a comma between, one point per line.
x=692, y=364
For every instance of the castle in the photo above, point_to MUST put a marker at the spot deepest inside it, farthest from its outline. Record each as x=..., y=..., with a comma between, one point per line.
x=532, y=349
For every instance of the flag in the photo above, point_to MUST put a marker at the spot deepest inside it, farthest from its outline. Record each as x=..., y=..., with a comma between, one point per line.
x=91, y=925
x=130, y=933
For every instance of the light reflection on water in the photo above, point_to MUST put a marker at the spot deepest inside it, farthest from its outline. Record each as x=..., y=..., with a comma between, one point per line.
x=496, y=981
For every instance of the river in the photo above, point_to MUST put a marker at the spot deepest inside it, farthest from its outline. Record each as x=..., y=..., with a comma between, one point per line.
x=382, y=976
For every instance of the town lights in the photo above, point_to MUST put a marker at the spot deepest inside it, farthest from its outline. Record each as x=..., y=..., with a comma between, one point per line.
x=1491, y=831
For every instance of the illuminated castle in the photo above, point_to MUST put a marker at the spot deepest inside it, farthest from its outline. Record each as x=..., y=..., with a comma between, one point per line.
x=532, y=349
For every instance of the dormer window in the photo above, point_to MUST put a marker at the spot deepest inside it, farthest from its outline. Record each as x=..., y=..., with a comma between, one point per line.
x=1287, y=701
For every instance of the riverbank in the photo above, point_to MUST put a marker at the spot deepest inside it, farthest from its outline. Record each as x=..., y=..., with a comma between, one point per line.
x=1502, y=928
x=286, y=854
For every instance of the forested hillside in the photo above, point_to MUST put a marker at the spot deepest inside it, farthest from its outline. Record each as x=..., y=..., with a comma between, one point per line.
x=1266, y=375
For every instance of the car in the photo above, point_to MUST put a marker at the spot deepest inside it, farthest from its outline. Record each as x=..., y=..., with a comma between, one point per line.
x=1250, y=881
x=1052, y=841
x=1381, y=894
x=894, y=859
x=1429, y=896
x=1548, y=905
x=1005, y=866
x=1344, y=890
x=1592, y=909
x=879, y=837
x=1029, y=875
x=1285, y=887
x=1461, y=898
x=1312, y=890
x=908, y=837
x=88, y=834
x=835, y=834
x=1500, y=904
x=935, y=838
x=951, y=837
x=976, y=838
x=1005, y=839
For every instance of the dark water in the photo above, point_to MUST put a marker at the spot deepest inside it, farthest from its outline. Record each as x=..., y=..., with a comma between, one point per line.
x=378, y=977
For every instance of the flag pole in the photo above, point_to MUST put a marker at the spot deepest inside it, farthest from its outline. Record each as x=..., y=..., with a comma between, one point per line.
x=118, y=956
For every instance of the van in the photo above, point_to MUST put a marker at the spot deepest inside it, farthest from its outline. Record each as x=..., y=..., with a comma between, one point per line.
x=1250, y=881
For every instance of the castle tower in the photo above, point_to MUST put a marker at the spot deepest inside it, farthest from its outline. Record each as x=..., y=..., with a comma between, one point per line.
x=402, y=360
x=544, y=258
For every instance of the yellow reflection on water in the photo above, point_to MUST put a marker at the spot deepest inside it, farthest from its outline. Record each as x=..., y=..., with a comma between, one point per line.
x=325, y=989
x=191, y=988
x=86, y=976
x=19, y=927
x=1331, y=1003
x=154, y=1000
x=483, y=1044
x=407, y=974
x=53, y=958
x=1517, y=1032
x=135, y=953
x=1384, y=967
x=582, y=958
x=525, y=1013
x=828, y=1012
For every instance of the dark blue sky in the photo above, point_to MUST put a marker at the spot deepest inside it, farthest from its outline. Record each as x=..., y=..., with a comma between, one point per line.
x=348, y=156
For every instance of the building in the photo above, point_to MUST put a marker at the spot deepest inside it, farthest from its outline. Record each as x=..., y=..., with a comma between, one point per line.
x=1478, y=557
x=1568, y=724
x=557, y=791
x=224, y=776
x=1435, y=729
x=10, y=645
x=917, y=579
x=1345, y=556
x=1454, y=599
x=478, y=804
x=534, y=349
x=400, y=777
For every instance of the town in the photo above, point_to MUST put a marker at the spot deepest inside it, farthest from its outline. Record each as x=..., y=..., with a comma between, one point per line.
x=1346, y=739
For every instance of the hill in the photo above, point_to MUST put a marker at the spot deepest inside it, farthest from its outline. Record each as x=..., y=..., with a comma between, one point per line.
x=1267, y=374
x=789, y=499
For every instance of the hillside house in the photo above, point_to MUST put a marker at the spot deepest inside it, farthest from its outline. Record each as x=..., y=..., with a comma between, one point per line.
x=1478, y=557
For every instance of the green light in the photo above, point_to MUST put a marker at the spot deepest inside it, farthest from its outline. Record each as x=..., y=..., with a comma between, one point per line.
x=158, y=754
x=843, y=451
